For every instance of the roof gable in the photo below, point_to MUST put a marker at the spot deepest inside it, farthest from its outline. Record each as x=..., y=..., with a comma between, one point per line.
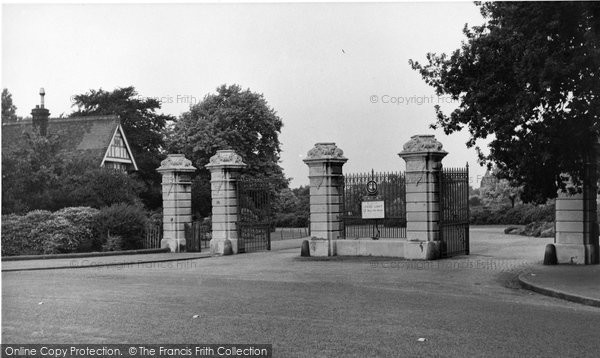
x=118, y=149
x=90, y=135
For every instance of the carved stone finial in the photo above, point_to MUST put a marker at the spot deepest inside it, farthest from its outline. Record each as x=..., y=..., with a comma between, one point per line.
x=325, y=151
x=176, y=162
x=227, y=157
x=423, y=143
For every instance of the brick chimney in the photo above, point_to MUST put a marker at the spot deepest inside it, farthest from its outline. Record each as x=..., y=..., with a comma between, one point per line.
x=40, y=115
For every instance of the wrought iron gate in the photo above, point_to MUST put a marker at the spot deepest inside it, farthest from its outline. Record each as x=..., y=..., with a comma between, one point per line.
x=454, y=211
x=254, y=216
x=389, y=188
x=197, y=236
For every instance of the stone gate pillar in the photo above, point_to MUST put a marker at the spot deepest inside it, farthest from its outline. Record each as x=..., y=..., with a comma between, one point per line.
x=423, y=155
x=176, y=173
x=576, y=237
x=225, y=167
x=325, y=163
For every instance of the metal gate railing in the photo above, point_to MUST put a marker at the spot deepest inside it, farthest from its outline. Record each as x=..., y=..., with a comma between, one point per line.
x=197, y=236
x=454, y=211
x=254, y=237
x=390, y=189
x=153, y=236
x=254, y=215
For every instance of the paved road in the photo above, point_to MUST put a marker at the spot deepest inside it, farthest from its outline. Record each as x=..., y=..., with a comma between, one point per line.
x=117, y=260
x=468, y=306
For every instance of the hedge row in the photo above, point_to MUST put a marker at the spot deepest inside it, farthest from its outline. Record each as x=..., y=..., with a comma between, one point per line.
x=291, y=220
x=76, y=229
x=519, y=215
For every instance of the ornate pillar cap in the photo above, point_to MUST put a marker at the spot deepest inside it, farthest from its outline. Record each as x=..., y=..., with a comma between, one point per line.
x=226, y=158
x=421, y=145
x=326, y=151
x=176, y=163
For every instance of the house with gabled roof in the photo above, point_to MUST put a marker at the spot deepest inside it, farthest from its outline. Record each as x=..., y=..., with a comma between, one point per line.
x=100, y=139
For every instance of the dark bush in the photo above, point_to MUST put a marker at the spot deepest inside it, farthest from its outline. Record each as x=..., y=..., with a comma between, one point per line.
x=519, y=215
x=83, y=218
x=290, y=220
x=113, y=243
x=302, y=221
x=536, y=229
x=155, y=218
x=124, y=220
x=475, y=201
x=42, y=232
x=78, y=229
x=17, y=233
x=58, y=235
x=98, y=187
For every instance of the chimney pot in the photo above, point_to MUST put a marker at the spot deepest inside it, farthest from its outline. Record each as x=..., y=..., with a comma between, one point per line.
x=42, y=94
x=40, y=115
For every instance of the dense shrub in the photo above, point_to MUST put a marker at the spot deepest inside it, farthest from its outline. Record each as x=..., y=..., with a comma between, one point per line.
x=17, y=233
x=78, y=229
x=475, y=200
x=58, y=235
x=113, y=243
x=155, y=218
x=83, y=218
x=290, y=220
x=519, y=215
x=537, y=229
x=98, y=187
x=124, y=220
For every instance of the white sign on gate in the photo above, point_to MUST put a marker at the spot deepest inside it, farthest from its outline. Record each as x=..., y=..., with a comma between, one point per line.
x=373, y=209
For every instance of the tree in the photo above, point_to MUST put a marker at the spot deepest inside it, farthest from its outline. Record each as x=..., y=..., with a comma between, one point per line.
x=143, y=126
x=36, y=175
x=9, y=110
x=96, y=187
x=230, y=119
x=495, y=191
x=29, y=171
x=529, y=77
x=292, y=207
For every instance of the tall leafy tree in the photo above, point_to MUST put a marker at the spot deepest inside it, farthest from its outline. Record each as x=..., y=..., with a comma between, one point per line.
x=529, y=78
x=9, y=110
x=143, y=126
x=497, y=192
x=232, y=118
x=29, y=172
x=36, y=174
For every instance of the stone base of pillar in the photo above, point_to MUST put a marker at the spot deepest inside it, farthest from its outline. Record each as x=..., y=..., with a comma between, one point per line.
x=398, y=248
x=175, y=245
x=422, y=250
x=217, y=246
x=322, y=247
x=582, y=254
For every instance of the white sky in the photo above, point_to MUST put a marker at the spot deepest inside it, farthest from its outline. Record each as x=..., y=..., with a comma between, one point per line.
x=292, y=53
